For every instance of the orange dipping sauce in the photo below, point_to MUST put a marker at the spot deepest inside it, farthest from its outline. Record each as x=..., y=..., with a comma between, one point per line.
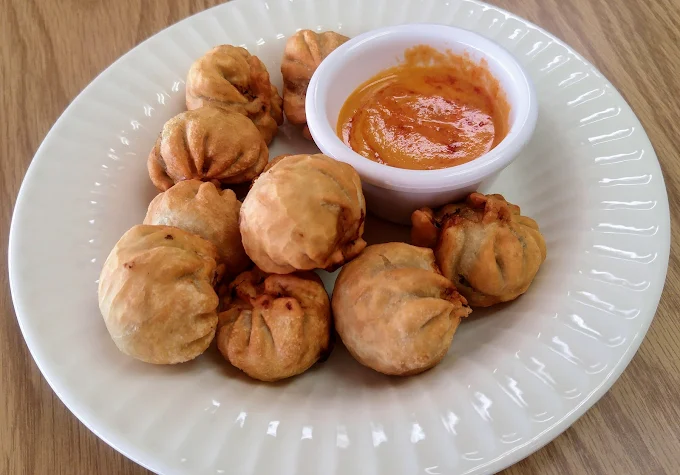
x=434, y=110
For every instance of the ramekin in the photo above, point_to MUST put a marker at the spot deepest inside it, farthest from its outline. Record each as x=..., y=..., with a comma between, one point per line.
x=394, y=193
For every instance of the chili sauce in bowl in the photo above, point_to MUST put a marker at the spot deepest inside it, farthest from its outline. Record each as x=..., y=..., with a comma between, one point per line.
x=433, y=110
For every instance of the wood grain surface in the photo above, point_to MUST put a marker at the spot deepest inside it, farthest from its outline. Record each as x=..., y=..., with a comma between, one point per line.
x=52, y=49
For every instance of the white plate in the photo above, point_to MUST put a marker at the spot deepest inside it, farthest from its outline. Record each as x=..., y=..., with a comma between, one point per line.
x=512, y=381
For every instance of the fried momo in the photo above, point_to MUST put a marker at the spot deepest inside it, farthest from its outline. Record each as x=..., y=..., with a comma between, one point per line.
x=303, y=53
x=156, y=294
x=275, y=326
x=306, y=212
x=231, y=78
x=202, y=209
x=484, y=245
x=394, y=311
x=207, y=144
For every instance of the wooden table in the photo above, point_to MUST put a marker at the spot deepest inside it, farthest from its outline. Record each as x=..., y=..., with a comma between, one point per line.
x=53, y=49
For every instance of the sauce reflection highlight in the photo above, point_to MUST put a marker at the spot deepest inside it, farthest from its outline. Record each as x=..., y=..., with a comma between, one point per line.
x=434, y=110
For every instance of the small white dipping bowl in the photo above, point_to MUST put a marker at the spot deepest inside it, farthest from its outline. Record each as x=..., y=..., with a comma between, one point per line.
x=394, y=193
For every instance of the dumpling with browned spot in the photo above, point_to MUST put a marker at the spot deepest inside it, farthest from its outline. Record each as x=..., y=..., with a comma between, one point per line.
x=275, y=326
x=484, y=245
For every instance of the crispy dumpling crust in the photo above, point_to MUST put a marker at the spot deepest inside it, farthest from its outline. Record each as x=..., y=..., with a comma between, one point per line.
x=303, y=53
x=231, y=78
x=205, y=210
x=394, y=311
x=306, y=212
x=207, y=144
x=484, y=245
x=156, y=294
x=274, y=326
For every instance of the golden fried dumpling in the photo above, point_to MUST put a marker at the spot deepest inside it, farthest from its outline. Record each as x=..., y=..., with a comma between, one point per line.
x=484, y=245
x=156, y=294
x=394, y=311
x=306, y=212
x=207, y=144
x=202, y=209
x=230, y=77
x=275, y=326
x=303, y=54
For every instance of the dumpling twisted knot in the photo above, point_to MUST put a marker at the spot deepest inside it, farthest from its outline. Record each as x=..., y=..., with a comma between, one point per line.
x=484, y=245
x=275, y=326
x=304, y=52
x=207, y=144
x=231, y=78
x=394, y=311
